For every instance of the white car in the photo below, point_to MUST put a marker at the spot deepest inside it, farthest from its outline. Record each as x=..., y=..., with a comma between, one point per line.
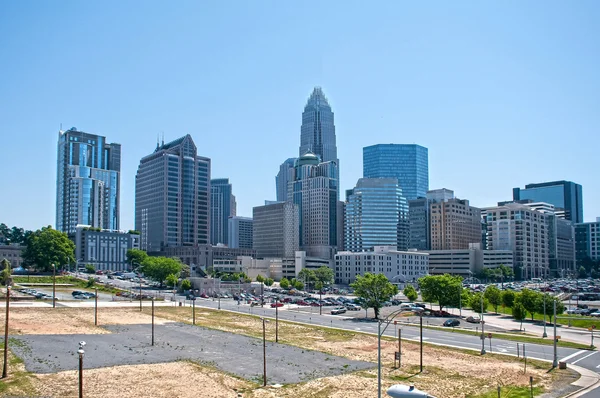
x=595, y=314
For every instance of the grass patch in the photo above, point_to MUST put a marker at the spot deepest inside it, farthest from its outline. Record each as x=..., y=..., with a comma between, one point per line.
x=510, y=392
x=75, y=282
x=19, y=381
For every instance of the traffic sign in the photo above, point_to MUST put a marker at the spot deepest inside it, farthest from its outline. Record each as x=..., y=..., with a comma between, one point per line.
x=592, y=328
x=397, y=356
x=557, y=337
x=489, y=335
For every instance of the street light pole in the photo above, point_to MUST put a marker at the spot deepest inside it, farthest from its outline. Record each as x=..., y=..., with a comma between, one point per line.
x=482, y=328
x=264, y=352
x=5, y=369
x=96, y=308
x=53, y=286
x=152, y=320
x=460, y=300
x=555, y=360
x=81, y=353
x=378, y=358
x=277, y=320
x=545, y=334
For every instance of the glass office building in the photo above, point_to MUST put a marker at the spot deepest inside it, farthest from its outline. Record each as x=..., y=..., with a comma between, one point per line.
x=408, y=163
x=87, y=181
x=317, y=133
x=376, y=214
x=222, y=206
x=282, y=179
x=172, y=197
x=564, y=195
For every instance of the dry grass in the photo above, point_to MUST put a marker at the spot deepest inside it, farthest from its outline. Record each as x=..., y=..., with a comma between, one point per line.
x=448, y=373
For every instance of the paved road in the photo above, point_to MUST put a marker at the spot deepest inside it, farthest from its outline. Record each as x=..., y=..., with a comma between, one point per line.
x=584, y=358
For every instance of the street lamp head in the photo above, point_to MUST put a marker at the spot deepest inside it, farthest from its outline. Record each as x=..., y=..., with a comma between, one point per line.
x=81, y=344
x=80, y=352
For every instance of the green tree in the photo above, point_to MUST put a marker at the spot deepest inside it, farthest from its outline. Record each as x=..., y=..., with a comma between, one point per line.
x=560, y=307
x=307, y=276
x=6, y=271
x=531, y=301
x=158, y=268
x=508, y=298
x=284, y=283
x=507, y=272
x=260, y=279
x=373, y=290
x=136, y=258
x=172, y=280
x=475, y=302
x=582, y=273
x=186, y=272
x=519, y=312
x=269, y=282
x=296, y=284
x=410, y=292
x=441, y=289
x=48, y=246
x=90, y=269
x=186, y=284
x=494, y=296
x=324, y=275
x=90, y=282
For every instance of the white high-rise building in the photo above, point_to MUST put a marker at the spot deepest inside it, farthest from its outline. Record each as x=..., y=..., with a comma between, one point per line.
x=524, y=231
x=240, y=232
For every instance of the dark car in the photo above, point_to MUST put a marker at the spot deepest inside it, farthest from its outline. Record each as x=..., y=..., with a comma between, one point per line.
x=452, y=322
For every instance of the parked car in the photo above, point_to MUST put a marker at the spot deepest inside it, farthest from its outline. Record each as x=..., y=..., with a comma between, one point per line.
x=275, y=305
x=338, y=311
x=452, y=323
x=204, y=295
x=352, y=307
x=473, y=319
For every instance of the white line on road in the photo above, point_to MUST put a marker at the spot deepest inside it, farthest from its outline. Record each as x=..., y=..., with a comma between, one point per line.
x=573, y=363
x=565, y=359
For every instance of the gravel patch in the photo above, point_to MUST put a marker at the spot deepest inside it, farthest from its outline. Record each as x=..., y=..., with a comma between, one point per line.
x=131, y=345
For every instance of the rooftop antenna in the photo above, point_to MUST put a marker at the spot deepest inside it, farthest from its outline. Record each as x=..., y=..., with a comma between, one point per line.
x=163, y=138
x=157, y=145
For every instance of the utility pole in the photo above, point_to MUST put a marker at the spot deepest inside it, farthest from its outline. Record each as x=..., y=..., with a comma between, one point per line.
x=5, y=369
x=545, y=334
x=555, y=360
x=482, y=328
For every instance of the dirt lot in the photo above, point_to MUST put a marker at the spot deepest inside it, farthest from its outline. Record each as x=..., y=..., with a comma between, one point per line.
x=448, y=373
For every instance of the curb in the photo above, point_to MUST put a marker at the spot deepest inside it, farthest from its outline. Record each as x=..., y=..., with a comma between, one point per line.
x=591, y=381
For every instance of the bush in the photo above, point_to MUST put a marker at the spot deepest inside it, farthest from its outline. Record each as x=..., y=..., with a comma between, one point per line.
x=90, y=269
x=90, y=282
x=284, y=283
x=410, y=293
x=186, y=284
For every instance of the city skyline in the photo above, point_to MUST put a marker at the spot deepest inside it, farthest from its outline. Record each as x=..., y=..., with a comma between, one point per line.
x=482, y=118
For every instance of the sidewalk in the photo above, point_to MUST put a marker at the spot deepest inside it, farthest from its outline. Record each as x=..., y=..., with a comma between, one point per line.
x=505, y=322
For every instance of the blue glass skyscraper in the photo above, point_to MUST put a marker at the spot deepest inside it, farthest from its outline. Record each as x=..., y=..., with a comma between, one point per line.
x=222, y=206
x=87, y=181
x=564, y=195
x=376, y=214
x=408, y=163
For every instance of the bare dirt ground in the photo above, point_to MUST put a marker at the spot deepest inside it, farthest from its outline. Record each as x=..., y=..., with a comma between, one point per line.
x=178, y=379
x=447, y=373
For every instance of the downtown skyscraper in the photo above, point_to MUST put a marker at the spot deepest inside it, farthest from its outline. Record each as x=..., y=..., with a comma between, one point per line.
x=317, y=133
x=87, y=181
x=222, y=206
x=172, y=197
x=408, y=163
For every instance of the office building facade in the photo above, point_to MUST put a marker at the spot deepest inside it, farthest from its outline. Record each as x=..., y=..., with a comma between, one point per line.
x=283, y=178
x=587, y=237
x=397, y=266
x=276, y=230
x=467, y=262
x=105, y=249
x=420, y=220
x=454, y=225
x=222, y=206
x=314, y=189
x=524, y=231
x=408, y=163
x=88, y=181
x=240, y=232
x=12, y=253
x=172, y=197
x=565, y=195
x=376, y=214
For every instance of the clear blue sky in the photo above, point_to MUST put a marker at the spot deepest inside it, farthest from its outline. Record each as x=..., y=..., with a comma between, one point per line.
x=502, y=93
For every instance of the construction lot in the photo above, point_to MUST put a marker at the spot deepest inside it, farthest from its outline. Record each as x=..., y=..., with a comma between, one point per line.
x=222, y=357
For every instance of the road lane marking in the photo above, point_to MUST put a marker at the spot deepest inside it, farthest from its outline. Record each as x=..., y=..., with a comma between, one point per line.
x=580, y=359
x=565, y=359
